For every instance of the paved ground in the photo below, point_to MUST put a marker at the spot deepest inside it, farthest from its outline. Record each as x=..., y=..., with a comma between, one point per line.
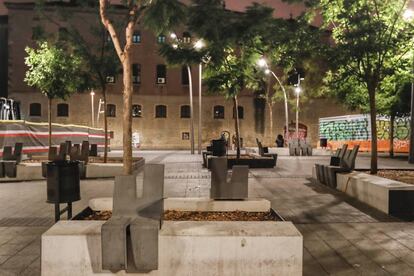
x=341, y=236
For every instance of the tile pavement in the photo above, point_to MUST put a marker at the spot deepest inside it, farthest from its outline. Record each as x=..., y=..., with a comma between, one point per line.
x=341, y=236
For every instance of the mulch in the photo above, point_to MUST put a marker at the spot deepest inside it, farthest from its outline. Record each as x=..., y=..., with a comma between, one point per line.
x=199, y=216
x=398, y=175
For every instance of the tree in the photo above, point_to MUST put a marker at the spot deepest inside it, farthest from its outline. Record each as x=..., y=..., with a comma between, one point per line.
x=54, y=72
x=158, y=15
x=184, y=53
x=233, y=44
x=371, y=38
x=99, y=59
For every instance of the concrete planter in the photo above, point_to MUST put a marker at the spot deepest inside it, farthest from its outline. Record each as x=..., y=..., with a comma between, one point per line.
x=33, y=171
x=389, y=196
x=185, y=247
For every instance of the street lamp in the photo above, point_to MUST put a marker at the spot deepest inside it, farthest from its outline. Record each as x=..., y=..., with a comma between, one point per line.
x=198, y=46
x=92, y=108
x=298, y=90
x=263, y=64
x=408, y=16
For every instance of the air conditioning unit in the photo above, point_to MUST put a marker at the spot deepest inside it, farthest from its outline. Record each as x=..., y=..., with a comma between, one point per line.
x=161, y=80
x=110, y=79
x=136, y=79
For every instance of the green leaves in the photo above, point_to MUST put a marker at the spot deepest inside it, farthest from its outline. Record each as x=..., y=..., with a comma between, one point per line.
x=53, y=71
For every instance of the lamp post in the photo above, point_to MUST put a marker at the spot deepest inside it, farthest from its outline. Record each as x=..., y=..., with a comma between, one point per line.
x=298, y=90
x=408, y=15
x=198, y=46
x=92, y=108
x=263, y=64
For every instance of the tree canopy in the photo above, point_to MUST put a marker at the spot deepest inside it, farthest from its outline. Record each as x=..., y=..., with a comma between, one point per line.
x=52, y=70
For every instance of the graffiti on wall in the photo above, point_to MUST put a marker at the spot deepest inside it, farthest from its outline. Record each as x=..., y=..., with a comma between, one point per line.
x=356, y=129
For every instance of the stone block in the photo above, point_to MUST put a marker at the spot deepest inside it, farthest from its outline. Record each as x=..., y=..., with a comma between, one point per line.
x=185, y=248
x=389, y=196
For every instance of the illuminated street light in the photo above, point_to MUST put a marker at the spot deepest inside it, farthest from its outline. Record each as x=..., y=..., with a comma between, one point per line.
x=173, y=36
x=199, y=44
x=262, y=63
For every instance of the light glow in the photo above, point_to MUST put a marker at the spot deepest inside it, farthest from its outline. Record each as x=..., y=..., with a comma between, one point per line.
x=262, y=62
x=408, y=14
x=199, y=44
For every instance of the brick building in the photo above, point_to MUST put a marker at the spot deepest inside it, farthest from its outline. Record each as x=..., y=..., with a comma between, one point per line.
x=160, y=93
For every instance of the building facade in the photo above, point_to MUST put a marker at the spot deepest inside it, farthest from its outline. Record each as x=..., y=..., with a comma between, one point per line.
x=161, y=94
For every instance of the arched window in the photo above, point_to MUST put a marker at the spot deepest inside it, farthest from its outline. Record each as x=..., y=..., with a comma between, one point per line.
x=218, y=112
x=136, y=111
x=161, y=74
x=186, y=37
x=111, y=110
x=160, y=111
x=185, y=111
x=35, y=109
x=241, y=112
x=184, y=76
x=62, y=110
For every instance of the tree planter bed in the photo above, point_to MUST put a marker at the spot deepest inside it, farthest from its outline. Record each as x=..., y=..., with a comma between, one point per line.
x=185, y=247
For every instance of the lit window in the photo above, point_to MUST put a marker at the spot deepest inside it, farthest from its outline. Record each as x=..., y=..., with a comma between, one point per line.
x=62, y=110
x=218, y=112
x=136, y=111
x=161, y=39
x=186, y=37
x=161, y=74
x=136, y=73
x=185, y=111
x=35, y=109
x=241, y=112
x=110, y=79
x=160, y=111
x=136, y=37
x=111, y=110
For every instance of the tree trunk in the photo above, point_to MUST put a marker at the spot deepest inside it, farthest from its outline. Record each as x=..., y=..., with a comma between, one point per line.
x=237, y=125
x=49, y=115
x=374, y=139
x=127, y=114
x=270, y=106
x=392, y=122
x=190, y=91
x=105, y=125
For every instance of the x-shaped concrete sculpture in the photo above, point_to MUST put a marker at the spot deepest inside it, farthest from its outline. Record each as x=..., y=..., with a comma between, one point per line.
x=130, y=237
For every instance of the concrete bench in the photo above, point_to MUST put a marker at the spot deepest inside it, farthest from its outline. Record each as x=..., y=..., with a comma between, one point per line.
x=389, y=196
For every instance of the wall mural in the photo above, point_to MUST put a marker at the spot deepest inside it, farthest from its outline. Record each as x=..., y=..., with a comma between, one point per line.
x=355, y=129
